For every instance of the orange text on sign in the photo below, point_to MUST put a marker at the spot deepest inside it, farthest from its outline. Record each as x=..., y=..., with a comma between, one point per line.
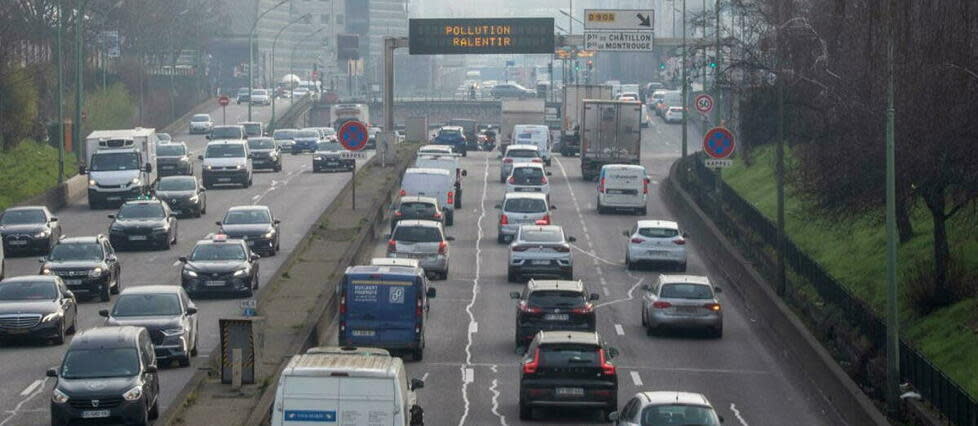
x=601, y=17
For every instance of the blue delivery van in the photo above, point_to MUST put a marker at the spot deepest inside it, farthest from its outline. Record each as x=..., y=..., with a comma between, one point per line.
x=384, y=307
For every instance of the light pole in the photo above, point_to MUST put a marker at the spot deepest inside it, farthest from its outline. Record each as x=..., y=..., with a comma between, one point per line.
x=79, y=73
x=684, y=83
x=292, y=54
x=274, y=43
x=59, y=98
x=892, y=309
x=251, y=52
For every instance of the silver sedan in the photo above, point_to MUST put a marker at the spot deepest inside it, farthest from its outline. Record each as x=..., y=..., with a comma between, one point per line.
x=682, y=301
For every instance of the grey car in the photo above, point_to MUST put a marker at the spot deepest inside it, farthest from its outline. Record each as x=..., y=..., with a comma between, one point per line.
x=540, y=251
x=173, y=159
x=166, y=312
x=667, y=408
x=521, y=208
x=682, y=301
x=424, y=240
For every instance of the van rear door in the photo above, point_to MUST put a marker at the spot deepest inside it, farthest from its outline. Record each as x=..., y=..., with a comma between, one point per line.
x=310, y=401
x=381, y=310
x=623, y=184
x=367, y=401
x=428, y=185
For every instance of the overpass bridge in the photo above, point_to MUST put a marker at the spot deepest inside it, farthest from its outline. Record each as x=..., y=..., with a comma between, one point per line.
x=437, y=110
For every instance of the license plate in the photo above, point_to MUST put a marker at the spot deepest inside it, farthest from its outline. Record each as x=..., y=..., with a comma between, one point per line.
x=655, y=252
x=167, y=167
x=569, y=391
x=214, y=283
x=540, y=262
x=688, y=309
x=363, y=333
x=95, y=414
x=223, y=179
x=17, y=330
x=332, y=163
x=113, y=198
x=556, y=317
x=17, y=243
x=73, y=282
x=251, y=242
x=137, y=238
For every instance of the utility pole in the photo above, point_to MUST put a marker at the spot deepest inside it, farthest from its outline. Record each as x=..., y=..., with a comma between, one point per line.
x=892, y=310
x=79, y=72
x=251, y=53
x=684, y=83
x=779, y=153
x=274, y=43
x=59, y=98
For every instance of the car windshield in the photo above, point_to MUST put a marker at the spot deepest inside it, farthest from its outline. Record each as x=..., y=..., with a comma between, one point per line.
x=658, y=232
x=259, y=92
x=261, y=144
x=307, y=134
x=22, y=217
x=104, y=162
x=329, y=146
x=252, y=129
x=416, y=234
x=225, y=151
x=522, y=153
x=217, y=252
x=556, y=299
x=200, y=118
x=177, y=184
x=451, y=133
x=247, y=217
x=541, y=236
x=329, y=131
x=665, y=415
x=139, y=305
x=28, y=290
x=100, y=363
x=164, y=137
x=284, y=134
x=417, y=209
x=171, y=150
x=685, y=291
x=525, y=205
x=226, y=132
x=528, y=174
x=76, y=251
x=569, y=355
x=140, y=211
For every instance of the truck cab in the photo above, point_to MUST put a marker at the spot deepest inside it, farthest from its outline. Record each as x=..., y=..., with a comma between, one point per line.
x=119, y=165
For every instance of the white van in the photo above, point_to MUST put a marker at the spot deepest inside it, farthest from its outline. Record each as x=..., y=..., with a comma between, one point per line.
x=435, y=183
x=623, y=186
x=534, y=134
x=345, y=388
x=444, y=162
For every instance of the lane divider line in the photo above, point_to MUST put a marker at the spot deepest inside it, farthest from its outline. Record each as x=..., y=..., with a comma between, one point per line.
x=13, y=413
x=30, y=388
x=636, y=378
x=740, y=418
x=475, y=293
x=619, y=330
x=495, y=398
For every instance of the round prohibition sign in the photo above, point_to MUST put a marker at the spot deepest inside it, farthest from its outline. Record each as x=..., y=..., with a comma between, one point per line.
x=704, y=103
x=718, y=143
x=353, y=135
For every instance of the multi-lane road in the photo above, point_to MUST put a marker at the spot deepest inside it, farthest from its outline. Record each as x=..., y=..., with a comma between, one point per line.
x=470, y=365
x=296, y=196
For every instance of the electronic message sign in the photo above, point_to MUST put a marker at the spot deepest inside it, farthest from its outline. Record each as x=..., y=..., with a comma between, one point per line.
x=481, y=36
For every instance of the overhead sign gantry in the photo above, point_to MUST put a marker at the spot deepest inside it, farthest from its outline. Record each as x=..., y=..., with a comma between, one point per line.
x=480, y=36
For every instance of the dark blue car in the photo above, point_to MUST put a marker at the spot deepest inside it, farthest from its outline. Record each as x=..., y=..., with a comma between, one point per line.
x=384, y=307
x=305, y=140
x=452, y=136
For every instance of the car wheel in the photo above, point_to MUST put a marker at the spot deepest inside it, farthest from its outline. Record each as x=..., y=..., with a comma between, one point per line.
x=512, y=276
x=59, y=339
x=569, y=276
x=118, y=285
x=717, y=332
x=199, y=212
x=74, y=324
x=628, y=263
x=681, y=267
x=104, y=293
x=650, y=330
x=184, y=361
x=643, y=211
x=154, y=411
x=547, y=163
x=645, y=322
x=526, y=413
x=501, y=239
x=417, y=354
x=449, y=218
x=193, y=350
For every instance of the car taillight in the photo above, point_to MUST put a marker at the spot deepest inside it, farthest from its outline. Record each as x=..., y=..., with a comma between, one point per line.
x=546, y=219
x=531, y=366
x=645, y=186
x=398, y=214
x=451, y=197
x=520, y=248
x=637, y=240
x=419, y=309
x=391, y=246
x=343, y=303
x=607, y=368
x=536, y=160
x=442, y=247
x=661, y=305
x=511, y=179
x=562, y=248
x=403, y=192
x=503, y=220
x=715, y=307
x=586, y=309
x=543, y=180
x=437, y=216
x=679, y=241
x=601, y=186
x=527, y=309
x=508, y=160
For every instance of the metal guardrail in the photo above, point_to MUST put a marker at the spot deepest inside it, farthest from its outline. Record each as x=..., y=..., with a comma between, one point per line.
x=944, y=394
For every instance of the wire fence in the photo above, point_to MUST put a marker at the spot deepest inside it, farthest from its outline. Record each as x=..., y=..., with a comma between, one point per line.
x=742, y=221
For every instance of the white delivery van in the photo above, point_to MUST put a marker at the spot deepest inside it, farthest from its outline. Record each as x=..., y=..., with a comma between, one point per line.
x=623, y=186
x=119, y=164
x=347, y=389
x=445, y=162
x=435, y=183
x=534, y=134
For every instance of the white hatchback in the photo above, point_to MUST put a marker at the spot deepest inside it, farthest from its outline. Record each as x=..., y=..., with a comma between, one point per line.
x=655, y=241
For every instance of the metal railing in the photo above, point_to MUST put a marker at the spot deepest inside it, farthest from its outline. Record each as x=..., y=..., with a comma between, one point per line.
x=743, y=222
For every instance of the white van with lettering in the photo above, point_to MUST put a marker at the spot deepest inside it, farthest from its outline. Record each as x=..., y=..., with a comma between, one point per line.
x=623, y=186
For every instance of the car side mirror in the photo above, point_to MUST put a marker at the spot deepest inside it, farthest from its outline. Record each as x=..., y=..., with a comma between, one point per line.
x=431, y=293
x=612, y=352
x=182, y=259
x=202, y=189
x=52, y=372
x=42, y=259
x=553, y=207
x=514, y=295
x=103, y=313
x=417, y=384
x=646, y=287
x=613, y=416
x=685, y=235
x=82, y=170
x=717, y=289
x=151, y=369
x=218, y=223
x=54, y=219
x=465, y=172
x=191, y=310
x=594, y=296
x=200, y=157
x=208, y=137
x=70, y=294
x=276, y=221
x=626, y=233
x=571, y=239
x=499, y=206
x=449, y=238
x=148, y=168
x=549, y=173
x=720, y=418
x=111, y=216
x=255, y=256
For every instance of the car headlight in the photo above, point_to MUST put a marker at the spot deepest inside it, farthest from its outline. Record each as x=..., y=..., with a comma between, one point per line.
x=45, y=271
x=321, y=158
x=171, y=332
x=97, y=272
x=190, y=273
x=240, y=272
x=51, y=317
x=91, y=182
x=269, y=234
x=208, y=167
x=134, y=181
x=116, y=227
x=43, y=234
x=133, y=394
x=59, y=397
x=184, y=159
x=194, y=198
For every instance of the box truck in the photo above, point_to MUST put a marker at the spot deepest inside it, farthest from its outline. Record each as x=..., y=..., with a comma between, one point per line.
x=119, y=165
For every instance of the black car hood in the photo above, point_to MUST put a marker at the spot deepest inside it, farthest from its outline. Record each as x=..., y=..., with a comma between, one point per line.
x=218, y=266
x=256, y=229
x=150, y=322
x=73, y=264
x=110, y=387
x=42, y=307
x=30, y=228
x=163, y=195
x=138, y=223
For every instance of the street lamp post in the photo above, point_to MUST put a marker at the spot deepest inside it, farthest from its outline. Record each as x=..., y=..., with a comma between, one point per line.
x=684, y=83
x=79, y=72
x=274, y=43
x=892, y=309
x=299, y=43
x=59, y=98
x=251, y=52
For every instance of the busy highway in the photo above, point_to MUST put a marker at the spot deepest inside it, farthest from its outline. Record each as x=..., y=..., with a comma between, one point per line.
x=295, y=196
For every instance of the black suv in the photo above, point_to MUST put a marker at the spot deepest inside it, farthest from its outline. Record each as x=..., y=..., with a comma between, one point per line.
x=183, y=194
x=29, y=229
x=256, y=225
x=86, y=265
x=552, y=305
x=264, y=154
x=220, y=265
x=143, y=223
x=108, y=376
x=173, y=159
x=566, y=369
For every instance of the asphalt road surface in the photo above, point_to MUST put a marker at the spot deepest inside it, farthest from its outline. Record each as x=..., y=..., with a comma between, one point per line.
x=296, y=196
x=472, y=370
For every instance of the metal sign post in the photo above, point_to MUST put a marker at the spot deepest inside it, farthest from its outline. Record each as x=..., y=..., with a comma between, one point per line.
x=223, y=101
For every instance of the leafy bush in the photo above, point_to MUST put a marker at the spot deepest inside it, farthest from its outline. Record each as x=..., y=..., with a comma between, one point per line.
x=18, y=105
x=28, y=169
x=923, y=296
